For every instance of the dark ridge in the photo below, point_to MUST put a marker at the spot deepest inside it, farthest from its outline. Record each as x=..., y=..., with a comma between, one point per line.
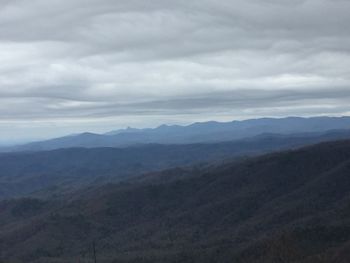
x=290, y=206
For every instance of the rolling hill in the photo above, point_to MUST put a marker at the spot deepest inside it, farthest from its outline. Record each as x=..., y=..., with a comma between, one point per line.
x=68, y=169
x=290, y=206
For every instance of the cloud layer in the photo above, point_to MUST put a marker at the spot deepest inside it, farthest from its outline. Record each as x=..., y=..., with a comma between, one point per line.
x=72, y=65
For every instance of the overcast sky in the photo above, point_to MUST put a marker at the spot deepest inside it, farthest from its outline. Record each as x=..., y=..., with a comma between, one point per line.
x=96, y=65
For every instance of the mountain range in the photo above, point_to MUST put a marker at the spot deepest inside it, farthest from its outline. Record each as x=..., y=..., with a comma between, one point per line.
x=195, y=133
x=66, y=169
x=260, y=191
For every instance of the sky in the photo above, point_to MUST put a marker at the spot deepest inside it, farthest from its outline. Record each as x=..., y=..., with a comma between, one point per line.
x=98, y=65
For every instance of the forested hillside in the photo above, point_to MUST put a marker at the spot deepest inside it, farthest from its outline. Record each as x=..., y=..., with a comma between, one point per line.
x=68, y=169
x=291, y=206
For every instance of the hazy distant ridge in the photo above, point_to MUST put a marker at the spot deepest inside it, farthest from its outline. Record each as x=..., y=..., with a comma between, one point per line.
x=195, y=133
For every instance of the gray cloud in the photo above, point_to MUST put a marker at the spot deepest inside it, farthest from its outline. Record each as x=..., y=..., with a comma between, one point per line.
x=95, y=65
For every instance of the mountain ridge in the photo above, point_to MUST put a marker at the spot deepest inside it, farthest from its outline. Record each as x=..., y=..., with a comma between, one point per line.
x=204, y=132
x=290, y=206
x=26, y=172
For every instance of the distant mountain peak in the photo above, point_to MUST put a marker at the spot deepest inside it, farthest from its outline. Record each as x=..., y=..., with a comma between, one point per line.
x=88, y=134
